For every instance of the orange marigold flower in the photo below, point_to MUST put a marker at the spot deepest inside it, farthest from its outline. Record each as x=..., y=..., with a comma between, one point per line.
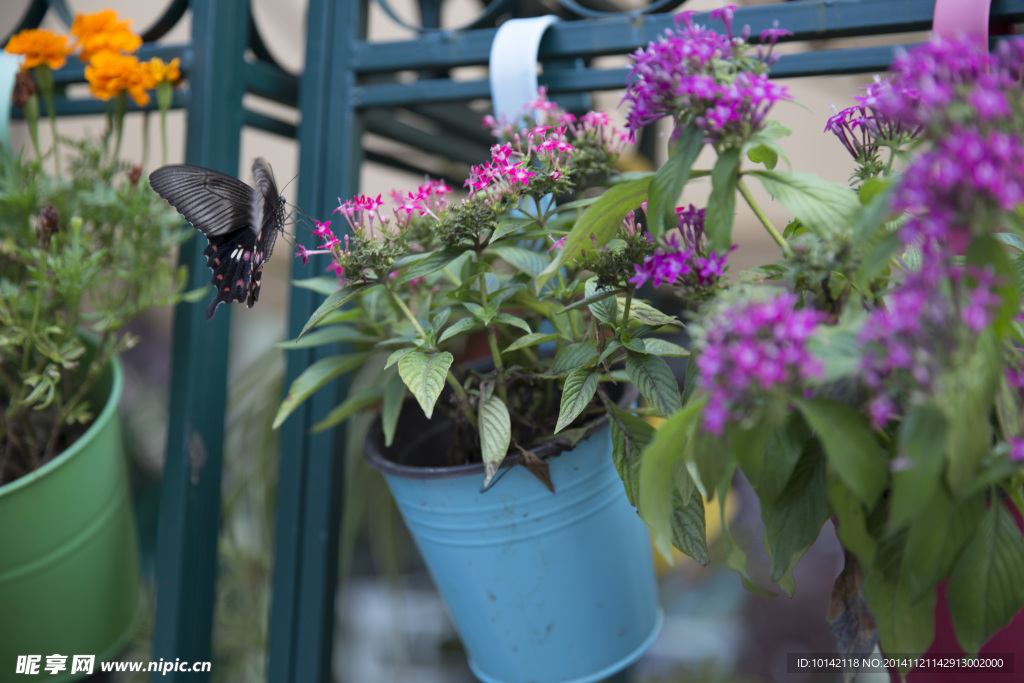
x=165, y=72
x=102, y=32
x=110, y=74
x=40, y=46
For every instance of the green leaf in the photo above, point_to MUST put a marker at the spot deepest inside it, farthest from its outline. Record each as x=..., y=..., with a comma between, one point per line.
x=578, y=391
x=656, y=346
x=514, y=321
x=600, y=302
x=321, y=285
x=735, y=557
x=495, y=432
x=850, y=445
x=458, y=327
x=326, y=335
x=334, y=302
x=602, y=220
x=793, y=520
x=689, y=528
x=630, y=435
x=591, y=296
x=314, y=377
x=721, y=209
x=852, y=528
x=655, y=380
x=822, y=207
x=524, y=260
x=905, y=624
x=531, y=339
x=574, y=357
x=838, y=349
x=644, y=314
x=770, y=470
x=397, y=356
x=668, y=182
x=391, y=408
x=510, y=225
x=421, y=265
x=986, y=588
x=352, y=404
x=424, y=374
x=657, y=475
x=987, y=252
x=922, y=439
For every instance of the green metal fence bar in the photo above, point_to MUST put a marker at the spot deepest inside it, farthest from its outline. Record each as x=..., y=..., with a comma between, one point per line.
x=190, y=494
x=309, y=482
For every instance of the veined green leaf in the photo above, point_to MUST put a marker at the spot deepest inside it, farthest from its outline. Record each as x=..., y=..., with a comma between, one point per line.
x=657, y=346
x=397, y=356
x=531, y=339
x=851, y=447
x=821, y=206
x=495, y=432
x=314, y=377
x=458, y=327
x=986, y=588
x=525, y=260
x=601, y=220
x=514, y=321
x=574, y=356
x=645, y=314
x=424, y=374
x=326, y=335
x=655, y=380
x=721, y=210
x=509, y=225
x=352, y=404
x=334, y=302
x=421, y=265
x=630, y=435
x=321, y=285
x=657, y=474
x=578, y=391
x=668, y=181
x=391, y=408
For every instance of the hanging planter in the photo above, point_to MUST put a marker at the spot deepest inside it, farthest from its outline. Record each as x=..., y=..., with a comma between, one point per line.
x=542, y=586
x=69, y=578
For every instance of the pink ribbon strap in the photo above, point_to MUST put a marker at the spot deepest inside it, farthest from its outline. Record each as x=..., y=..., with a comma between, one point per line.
x=959, y=18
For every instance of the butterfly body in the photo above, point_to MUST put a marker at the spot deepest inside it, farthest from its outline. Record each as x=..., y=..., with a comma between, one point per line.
x=240, y=222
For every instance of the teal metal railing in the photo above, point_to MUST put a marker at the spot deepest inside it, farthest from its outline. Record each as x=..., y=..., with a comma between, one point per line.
x=352, y=86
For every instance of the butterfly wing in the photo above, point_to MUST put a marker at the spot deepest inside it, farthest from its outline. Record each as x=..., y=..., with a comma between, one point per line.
x=267, y=214
x=231, y=257
x=213, y=202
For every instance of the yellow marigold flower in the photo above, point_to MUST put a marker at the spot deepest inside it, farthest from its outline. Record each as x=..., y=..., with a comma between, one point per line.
x=109, y=74
x=40, y=46
x=102, y=32
x=165, y=72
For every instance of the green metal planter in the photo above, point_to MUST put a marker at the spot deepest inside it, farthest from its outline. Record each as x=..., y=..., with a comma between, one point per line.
x=69, y=570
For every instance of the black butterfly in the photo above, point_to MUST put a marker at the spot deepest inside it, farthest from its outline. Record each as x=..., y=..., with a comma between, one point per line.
x=240, y=222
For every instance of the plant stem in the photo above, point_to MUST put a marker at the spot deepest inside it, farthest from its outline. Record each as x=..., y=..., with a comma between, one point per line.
x=40, y=287
x=625, y=309
x=492, y=334
x=408, y=314
x=460, y=394
x=779, y=239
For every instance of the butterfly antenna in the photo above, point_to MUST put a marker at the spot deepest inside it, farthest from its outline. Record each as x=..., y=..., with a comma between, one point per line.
x=289, y=183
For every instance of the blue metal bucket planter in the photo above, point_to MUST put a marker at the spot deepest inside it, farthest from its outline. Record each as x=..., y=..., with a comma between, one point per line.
x=542, y=587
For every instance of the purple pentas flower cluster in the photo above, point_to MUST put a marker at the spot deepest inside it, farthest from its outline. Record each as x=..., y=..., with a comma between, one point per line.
x=967, y=104
x=695, y=74
x=682, y=260
x=866, y=127
x=752, y=350
x=908, y=345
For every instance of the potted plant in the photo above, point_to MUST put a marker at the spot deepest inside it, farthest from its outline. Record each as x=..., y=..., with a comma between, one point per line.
x=873, y=375
x=503, y=470
x=82, y=251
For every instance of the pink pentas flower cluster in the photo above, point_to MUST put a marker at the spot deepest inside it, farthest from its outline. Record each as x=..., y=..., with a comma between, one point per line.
x=429, y=199
x=967, y=103
x=751, y=350
x=906, y=346
x=682, y=261
x=864, y=127
x=679, y=76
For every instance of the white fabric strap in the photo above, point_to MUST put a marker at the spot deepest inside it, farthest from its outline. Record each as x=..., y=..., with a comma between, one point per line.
x=513, y=64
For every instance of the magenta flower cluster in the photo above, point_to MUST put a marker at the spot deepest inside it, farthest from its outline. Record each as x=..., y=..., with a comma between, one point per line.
x=681, y=260
x=681, y=76
x=510, y=165
x=751, y=350
x=967, y=103
x=866, y=126
x=906, y=345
